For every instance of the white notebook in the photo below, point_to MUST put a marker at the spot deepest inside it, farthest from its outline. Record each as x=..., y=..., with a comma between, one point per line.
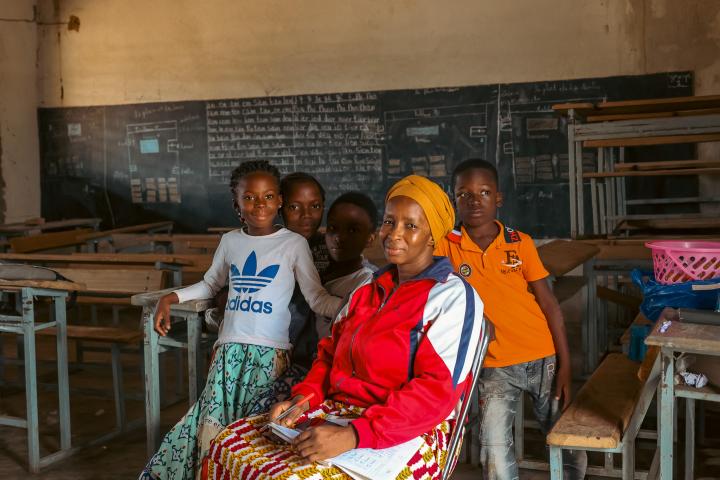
x=363, y=463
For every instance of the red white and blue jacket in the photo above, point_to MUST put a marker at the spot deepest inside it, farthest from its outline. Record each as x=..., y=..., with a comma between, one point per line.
x=404, y=353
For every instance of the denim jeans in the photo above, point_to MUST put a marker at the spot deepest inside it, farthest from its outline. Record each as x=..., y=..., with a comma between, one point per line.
x=500, y=390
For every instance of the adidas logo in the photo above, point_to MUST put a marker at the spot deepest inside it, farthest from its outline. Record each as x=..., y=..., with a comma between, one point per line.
x=249, y=280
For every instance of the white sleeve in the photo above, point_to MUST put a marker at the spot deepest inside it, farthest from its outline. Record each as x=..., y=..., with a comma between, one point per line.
x=307, y=277
x=214, y=279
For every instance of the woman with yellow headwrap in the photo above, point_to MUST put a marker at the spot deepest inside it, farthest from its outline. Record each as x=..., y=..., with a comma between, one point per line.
x=394, y=366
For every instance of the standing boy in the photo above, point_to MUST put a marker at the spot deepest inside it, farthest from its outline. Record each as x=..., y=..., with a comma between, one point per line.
x=530, y=351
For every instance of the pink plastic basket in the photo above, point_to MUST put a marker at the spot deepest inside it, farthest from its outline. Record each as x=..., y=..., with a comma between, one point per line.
x=677, y=261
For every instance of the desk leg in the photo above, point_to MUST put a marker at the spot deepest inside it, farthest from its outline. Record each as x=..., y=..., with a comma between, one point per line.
x=28, y=313
x=590, y=320
x=571, y=176
x=152, y=381
x=63, y=377
x=194, y=331
x=556, y=464
x=689, y=438
x=667, y=407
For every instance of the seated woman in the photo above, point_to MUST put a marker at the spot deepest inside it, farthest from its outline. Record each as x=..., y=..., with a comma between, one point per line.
x=396, y=362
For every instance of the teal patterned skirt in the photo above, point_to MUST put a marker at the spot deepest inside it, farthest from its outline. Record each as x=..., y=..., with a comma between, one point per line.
x=239, y=384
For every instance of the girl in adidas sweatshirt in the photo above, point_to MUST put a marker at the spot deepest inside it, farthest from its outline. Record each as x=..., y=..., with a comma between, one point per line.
x=261, y=264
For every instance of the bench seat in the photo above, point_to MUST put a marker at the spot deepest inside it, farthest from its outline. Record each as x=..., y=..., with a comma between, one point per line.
x=98, y=334
x=602, y=408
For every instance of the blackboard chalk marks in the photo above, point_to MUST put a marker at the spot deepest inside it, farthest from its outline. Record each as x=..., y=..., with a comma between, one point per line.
x=430, y=141
x=153, y=162
x=172, y=161
x=337, y=137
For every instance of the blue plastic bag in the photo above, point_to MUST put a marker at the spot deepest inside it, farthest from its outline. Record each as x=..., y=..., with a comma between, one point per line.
x=657, y=296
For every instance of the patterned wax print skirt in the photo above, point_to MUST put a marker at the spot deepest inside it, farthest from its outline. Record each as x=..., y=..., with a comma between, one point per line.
x=241, y=377
x=242, y=452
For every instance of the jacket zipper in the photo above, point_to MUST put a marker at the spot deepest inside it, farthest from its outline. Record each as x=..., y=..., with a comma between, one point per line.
x=352, y=339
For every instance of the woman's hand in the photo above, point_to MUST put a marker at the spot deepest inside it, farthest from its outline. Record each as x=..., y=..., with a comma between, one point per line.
x=162, y=313
x=292, y=417
x=325, y=441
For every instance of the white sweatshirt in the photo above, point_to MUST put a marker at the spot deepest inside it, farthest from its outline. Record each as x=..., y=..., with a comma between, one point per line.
x=261, y=272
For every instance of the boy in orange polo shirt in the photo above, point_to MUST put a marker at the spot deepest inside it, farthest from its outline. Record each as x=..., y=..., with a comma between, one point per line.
x=530, y=352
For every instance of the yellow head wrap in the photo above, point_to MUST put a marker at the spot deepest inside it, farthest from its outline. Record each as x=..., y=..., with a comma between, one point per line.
x=433, y=200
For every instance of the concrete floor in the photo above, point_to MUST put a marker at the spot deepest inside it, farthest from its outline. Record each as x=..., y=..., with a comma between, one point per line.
x=124, y=456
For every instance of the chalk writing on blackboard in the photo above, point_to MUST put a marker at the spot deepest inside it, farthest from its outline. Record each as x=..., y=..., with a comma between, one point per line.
x=324, y=134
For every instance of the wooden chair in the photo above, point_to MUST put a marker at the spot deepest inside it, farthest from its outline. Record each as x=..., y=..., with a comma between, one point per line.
x=466, y=401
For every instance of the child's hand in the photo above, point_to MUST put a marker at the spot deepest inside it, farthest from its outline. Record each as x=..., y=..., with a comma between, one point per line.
x=162, y=313
x=323, y=442
x=563, y=385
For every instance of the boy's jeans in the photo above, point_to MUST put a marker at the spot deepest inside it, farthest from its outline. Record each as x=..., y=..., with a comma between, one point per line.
x=500, y=390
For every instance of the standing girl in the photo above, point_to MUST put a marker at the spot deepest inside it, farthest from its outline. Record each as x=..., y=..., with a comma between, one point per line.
x=261, y=264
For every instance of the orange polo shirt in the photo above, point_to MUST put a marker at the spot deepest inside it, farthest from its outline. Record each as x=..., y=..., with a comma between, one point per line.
x=500, y=274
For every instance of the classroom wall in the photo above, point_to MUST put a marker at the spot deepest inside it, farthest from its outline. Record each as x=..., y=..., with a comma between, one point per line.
x=128, y=51
x=19, y=155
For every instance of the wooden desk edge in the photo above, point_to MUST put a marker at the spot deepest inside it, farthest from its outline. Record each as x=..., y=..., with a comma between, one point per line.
x=46, y=284
x=151, y=298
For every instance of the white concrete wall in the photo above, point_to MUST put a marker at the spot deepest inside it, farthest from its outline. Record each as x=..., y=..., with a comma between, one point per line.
x=138, y=51
x=19, y=154
x=129, y=51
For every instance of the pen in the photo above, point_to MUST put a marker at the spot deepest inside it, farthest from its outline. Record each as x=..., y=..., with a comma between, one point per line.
x=287, y=412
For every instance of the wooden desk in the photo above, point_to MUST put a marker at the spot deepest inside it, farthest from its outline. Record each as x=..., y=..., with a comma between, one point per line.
x=678, y=338
x=160, y=262
x=39, y=225
x=92, y=239
x=48, y=241
x=562, y=256
x=610, y=127
x=26, y=325
x=192, y=313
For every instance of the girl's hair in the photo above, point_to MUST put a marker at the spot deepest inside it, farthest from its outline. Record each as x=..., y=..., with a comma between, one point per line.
x=252, y=166
x=292, y=179
x=361, y=200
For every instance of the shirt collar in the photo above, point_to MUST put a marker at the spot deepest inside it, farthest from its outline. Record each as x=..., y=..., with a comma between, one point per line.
x=438, y=270
x=468, y=244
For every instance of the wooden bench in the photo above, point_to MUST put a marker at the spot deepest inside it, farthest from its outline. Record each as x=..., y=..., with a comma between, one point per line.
x=606, y=416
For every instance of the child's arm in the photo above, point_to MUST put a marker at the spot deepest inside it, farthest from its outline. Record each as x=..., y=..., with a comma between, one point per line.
x=308, y=279
x=551, y=308
x=213, y=280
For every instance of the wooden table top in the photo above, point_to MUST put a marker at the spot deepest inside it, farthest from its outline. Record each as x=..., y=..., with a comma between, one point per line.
x=21, y=228
x=106, y=258
x=686, y=337
x=561, y=256
x=7, y=285
x=130, y=229
x=151, y=298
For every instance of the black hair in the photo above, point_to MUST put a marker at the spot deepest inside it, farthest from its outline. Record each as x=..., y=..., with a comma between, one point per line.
x=252, y=166
x=294, y=178
x=360, y=200
x=472, y=163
